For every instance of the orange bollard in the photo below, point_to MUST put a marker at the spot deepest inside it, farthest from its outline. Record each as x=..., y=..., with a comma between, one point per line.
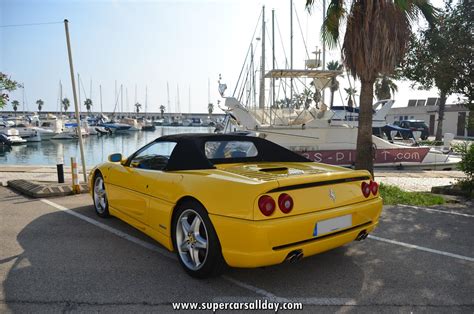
x=75, y=176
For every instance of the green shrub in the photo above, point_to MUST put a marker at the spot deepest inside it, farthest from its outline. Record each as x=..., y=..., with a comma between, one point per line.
x=466, y=150
x=393, y=195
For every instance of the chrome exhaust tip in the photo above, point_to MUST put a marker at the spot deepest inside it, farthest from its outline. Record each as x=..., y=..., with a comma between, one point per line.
x=294, y=256
x=362, y=235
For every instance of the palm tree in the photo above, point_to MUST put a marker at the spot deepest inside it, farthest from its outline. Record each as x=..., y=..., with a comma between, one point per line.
x=40, y=104
x=66, y=103
x=210, y=108
x=334, y=66
x=162, y=110
x=15, y=105
x=377, y=33
x=88, y=104
x=138, y=106
x=385, y=86
x=351, y=93
x=307, y=97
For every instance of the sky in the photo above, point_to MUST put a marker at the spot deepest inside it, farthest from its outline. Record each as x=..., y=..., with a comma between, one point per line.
x=148, y=45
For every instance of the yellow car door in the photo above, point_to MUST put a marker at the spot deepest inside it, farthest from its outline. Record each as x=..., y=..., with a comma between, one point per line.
x=126, y=194
x=137, y=181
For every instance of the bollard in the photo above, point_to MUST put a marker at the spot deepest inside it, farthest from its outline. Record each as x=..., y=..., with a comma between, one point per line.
x=60, y=170
x=75, y=176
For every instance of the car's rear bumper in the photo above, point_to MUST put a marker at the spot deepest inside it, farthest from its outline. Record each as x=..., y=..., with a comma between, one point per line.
x=261, y=243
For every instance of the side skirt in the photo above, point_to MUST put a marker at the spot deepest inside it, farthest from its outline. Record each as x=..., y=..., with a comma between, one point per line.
x=152, y=233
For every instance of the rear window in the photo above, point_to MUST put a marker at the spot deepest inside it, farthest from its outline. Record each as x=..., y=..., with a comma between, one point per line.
x=229, y=149
x=418, y=124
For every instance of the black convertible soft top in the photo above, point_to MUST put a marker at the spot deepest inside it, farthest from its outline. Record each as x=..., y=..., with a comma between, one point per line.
x=189, y=153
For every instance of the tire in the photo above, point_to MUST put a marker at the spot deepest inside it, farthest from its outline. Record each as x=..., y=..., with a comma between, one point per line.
x=99, y=196
x=195, y=241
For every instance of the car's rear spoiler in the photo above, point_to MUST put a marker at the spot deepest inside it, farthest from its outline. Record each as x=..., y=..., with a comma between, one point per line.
x=318, y=183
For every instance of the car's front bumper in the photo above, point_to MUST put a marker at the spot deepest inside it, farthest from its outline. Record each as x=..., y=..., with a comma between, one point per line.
x=248, y=243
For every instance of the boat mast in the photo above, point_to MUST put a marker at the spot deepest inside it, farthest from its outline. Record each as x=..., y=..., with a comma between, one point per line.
x=261, y=103
x=324, y=50
x=100, y=94
x=121, y=98
x=273, y=64
x=79, y=92
x=127, y=102
x=23, y=99
x=291, y=47
x=253, y=88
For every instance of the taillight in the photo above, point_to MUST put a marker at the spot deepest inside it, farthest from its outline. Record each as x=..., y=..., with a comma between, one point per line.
x=266, y=205
x=365, y=187
x=285, y=202
x=374, y=187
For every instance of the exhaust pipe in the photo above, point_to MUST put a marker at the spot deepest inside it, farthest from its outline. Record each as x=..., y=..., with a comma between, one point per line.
x=294, y=256
x=362, y=235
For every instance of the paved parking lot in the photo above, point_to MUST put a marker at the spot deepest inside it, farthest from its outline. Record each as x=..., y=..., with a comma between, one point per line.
x=57, y=256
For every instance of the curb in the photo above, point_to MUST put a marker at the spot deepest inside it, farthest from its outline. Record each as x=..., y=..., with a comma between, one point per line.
x=38, y=189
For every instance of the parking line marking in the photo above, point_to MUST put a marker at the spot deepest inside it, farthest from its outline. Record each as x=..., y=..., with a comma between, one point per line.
x=437, y=210
x=168, y=254
x=421, y=248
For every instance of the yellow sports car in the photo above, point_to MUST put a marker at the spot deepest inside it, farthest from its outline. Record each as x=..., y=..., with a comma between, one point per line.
x=235, y=200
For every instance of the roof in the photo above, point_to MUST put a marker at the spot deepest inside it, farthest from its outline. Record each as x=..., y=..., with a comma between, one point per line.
x=287, y=73
x=189, y=153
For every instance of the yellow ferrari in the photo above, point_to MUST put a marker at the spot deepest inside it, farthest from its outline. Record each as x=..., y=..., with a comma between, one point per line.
x=235, y=200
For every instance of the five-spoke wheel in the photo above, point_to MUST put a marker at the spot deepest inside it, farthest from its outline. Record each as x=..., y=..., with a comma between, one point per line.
x=191, y=239
x=196, y=242
x=100, y=196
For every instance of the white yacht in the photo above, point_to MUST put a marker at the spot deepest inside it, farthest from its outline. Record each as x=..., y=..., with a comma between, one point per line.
x=314, y=132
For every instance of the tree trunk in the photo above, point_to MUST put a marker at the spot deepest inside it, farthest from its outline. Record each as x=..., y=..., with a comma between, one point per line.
x=442, y=104
x=364, y=158
x=332, y=99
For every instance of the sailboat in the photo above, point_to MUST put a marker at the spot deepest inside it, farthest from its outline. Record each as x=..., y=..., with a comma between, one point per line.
x=147, y=124
x=134, y=125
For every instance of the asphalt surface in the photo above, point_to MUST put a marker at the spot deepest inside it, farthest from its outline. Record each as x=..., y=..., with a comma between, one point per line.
x=54, y=260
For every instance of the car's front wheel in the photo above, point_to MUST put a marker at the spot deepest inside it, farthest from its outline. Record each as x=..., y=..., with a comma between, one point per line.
x=196, y=241
x=101, y=204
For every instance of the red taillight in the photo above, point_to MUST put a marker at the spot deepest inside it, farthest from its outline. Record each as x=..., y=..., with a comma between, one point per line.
x=374, y=187
x=266, y=205
x=285, y=202
x=365, y=187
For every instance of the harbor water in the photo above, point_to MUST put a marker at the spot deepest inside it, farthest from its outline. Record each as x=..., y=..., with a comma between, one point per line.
x=96, y=148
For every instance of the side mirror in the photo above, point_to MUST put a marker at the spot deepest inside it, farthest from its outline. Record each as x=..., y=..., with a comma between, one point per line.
x=115, y=157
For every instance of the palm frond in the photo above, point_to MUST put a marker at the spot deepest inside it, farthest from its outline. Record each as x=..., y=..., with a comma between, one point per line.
x=331, y=24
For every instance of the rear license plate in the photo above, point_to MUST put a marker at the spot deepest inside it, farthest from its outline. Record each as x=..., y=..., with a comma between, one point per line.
x=331, y=225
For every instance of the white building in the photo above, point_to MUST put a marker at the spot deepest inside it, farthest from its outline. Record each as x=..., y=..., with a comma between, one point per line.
x=456, y=117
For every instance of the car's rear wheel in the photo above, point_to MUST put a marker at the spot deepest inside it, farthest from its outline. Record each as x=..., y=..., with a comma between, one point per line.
x=196, y=241
x=99, y=194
